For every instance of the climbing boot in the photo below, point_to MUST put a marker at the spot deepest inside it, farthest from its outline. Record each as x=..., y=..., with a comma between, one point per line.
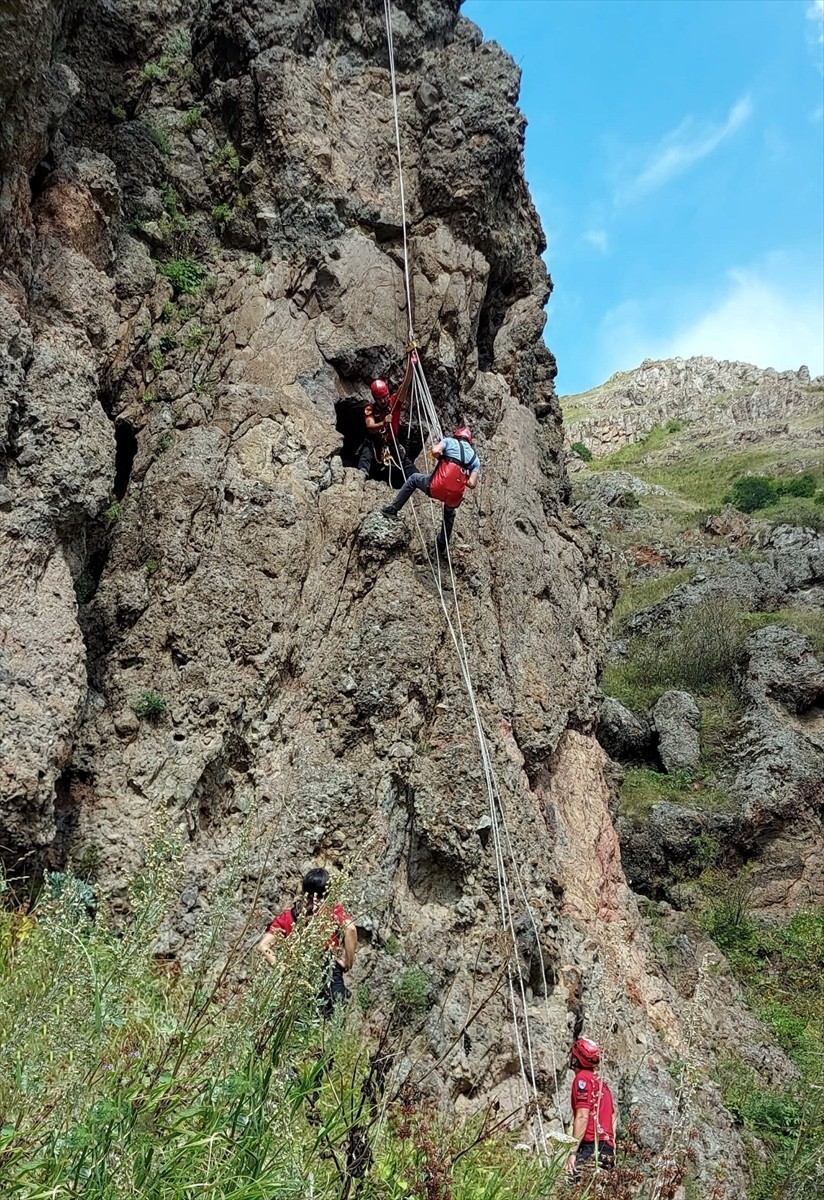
x=390, y=511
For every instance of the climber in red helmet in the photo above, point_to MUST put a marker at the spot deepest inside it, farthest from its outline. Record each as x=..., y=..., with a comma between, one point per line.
x=458, y=468
x=381, y=416
x=594, y=1117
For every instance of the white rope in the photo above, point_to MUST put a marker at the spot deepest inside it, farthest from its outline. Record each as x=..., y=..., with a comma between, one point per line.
x=430, y=427
x=407, y=281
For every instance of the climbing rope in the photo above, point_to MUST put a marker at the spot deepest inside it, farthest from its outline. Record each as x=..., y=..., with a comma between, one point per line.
x=406, y=275
x=428, y=422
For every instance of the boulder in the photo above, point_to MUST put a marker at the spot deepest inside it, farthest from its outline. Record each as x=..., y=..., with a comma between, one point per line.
x=675, y=718
x=624, y=735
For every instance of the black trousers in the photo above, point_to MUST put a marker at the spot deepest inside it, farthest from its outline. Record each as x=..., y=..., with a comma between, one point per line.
x=370, y=461
x=586, y=1154
x=334, y=991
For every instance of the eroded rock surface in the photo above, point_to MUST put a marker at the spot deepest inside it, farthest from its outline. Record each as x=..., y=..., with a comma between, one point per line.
x=203, y=268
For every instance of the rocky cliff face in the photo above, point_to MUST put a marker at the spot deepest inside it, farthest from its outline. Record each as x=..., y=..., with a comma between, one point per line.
x=205, y=625
x=739, y=400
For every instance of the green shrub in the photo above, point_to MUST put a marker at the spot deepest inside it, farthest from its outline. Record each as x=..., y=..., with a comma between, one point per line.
x=227, y=156
x=113, y=511
x=162, y=444
x=799, y=485
x=223, y=215
x=673, y=426
x=192, y=118
x=195, y=338
x=159, y=136
x=751, y=493
x=153, y=72
x=186, y=275
x=582, y=451
x=151, y=567
x=149, y=706
x=412, y=992
x=118, y=112
x=168, y=342
x=157, y=359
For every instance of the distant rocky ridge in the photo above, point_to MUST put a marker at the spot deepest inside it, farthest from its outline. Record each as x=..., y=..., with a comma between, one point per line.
x=720, y=396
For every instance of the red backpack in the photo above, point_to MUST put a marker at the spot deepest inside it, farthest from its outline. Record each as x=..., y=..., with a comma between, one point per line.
x=449, y=479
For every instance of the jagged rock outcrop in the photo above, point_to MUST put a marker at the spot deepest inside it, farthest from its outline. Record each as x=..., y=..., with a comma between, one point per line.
x=206, y=625
x=730, y=396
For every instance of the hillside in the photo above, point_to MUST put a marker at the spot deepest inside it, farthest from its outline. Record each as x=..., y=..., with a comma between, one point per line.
x=713, y=511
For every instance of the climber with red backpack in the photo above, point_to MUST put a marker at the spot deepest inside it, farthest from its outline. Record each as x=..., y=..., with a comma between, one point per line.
x=458, y=468
x=594, y=1117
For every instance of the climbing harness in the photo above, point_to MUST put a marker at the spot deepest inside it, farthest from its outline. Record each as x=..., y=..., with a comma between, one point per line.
x=425, y=415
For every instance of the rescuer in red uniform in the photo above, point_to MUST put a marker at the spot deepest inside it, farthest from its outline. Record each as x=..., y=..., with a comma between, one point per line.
x=594, y=1118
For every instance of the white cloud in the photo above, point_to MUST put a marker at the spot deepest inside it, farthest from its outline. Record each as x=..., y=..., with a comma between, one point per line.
x=681, y=149
x=760, y=315
x=597, y=238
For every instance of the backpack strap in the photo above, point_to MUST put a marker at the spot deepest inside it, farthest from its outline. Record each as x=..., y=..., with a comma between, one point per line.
x=461, y=461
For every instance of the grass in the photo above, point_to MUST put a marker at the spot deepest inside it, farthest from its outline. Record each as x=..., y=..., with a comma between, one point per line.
x=779, y=969
x=809, y=621
x=121, y=1080
x=149, y=706
x=705, y=475
x=652, y=591
x=700, y=656
x=642, y=789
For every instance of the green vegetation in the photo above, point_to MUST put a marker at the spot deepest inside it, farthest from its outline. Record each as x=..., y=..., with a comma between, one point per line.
x=186, y=275
x=700, y=656
x=652, y=591
x=156, y=72
x=149, y=706
x=223, y=215
x=113, y=511
x=159, y=136
x=582, y=451
x=779, y=968
x=192, y=118
x=168, y=341
x=195, y=338
x=157, y=359
x=706, y=476
x=151, y=567
x=642, y=789
x=753, y=492
x=162, y=444
x=412, y=992
x=120, y=1080
x=227, y=156
x=809, y=621
x=118, y=112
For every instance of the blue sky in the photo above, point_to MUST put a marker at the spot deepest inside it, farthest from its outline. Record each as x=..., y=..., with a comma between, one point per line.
x=675, y=152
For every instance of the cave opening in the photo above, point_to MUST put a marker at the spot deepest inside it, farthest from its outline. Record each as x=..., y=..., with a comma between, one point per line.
x=125, y=440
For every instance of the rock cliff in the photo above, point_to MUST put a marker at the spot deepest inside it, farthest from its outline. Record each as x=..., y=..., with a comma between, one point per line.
x=204, y=625
x=738, y=400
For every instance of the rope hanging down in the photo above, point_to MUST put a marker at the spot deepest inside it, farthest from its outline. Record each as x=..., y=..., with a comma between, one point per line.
x=406, y=276
x=429, y=424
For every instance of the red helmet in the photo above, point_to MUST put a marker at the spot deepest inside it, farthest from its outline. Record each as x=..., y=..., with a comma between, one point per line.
x=379, y=389
x=463, y=431
x=586, y=1053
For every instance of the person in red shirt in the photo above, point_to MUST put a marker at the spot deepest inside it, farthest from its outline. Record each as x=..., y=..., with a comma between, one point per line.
x=343, y=939
x=594, y=1117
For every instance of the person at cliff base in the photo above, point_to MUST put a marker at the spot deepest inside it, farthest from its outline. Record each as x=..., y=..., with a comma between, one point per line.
x=458, y=468
x=343, y=935
x=594, y=1117
x=381, y=451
